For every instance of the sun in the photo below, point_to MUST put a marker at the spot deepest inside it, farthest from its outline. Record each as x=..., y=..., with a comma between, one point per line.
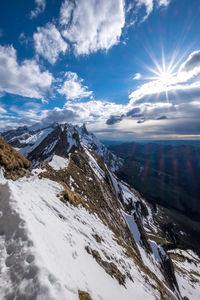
x=163, y=73
x=165, y=77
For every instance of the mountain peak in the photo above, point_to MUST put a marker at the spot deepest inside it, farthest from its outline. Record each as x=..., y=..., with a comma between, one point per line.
x=84, y=129
x=39, y=143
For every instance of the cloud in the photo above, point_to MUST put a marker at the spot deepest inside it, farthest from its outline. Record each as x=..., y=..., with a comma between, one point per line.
x=177, y=82
x=59, y=115
x=192, y=62
x=24, y=79
x=163, y=2
x=114, y=119
x=2, y=110
x=137, y=76
x=73, y=88
x=95, y=110
x=148, y=4
x=161, y=118
x=141, y=121
x=49, y=43
x=94, y=113
x=138, y=11
x=190, y=68
x=134, y=112
x=92, y=25
x=40, y=7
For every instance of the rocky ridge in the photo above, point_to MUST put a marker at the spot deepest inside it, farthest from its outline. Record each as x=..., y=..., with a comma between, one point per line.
x=71, y=178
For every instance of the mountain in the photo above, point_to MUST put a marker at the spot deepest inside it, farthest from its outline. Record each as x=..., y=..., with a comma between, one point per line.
x=166, y=174
x=39, y=143
x=72, y=230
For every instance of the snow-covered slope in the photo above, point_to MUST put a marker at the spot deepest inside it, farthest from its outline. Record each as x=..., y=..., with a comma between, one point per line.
x=43, y=246
x=71, y=225
x=59, y=238
x=187, y=271
x=90, y=141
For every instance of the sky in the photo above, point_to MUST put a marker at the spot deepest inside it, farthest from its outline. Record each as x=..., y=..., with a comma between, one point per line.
x=126, y=68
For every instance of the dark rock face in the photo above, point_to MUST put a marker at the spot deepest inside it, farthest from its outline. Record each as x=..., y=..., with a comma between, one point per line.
x=62, y=140
x=84, y=129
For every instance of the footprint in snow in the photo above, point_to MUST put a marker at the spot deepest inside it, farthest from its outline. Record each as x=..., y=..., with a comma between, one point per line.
x=74, y=255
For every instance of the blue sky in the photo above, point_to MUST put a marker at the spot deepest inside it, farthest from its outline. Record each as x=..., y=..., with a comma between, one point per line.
x=128, y=69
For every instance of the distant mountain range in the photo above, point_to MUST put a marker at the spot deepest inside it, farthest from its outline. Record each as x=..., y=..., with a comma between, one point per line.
x=166, y=175
x=147, y=141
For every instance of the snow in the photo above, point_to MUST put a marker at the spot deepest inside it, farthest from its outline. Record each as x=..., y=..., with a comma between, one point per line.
x=187, y=273
x=51, y=248
x=114, y=182
x=32, y=137
x=2, y=179
x=50, y=147
x=127, y=194
x=155, y=250
x=58, y=162
x=42, y=241
x=151, y=260
x=95, y=167
x=71, y=142
x=182, y=232
x=90, y=141
x=133, y=228
x=34, y=140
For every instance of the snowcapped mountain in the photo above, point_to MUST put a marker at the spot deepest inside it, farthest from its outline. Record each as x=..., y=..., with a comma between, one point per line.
x=39, y=143
x=70, y=229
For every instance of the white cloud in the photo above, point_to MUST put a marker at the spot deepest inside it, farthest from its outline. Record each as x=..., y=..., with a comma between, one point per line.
x=137, y=76
x=94, y=113
x=92, y=25
x=24, y=79
x=148, y=6
x=73, y=88
x=189, y=68
x=40, y=7
x=163, y=2
x=186, y=78
x=2, y=110
x=94, y=110
x=49, y=43
x=192, y=62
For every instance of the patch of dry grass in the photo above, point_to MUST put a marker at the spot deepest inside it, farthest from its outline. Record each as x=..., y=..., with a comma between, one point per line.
x=109, y=267
x=84, y=295
x=12, y=161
